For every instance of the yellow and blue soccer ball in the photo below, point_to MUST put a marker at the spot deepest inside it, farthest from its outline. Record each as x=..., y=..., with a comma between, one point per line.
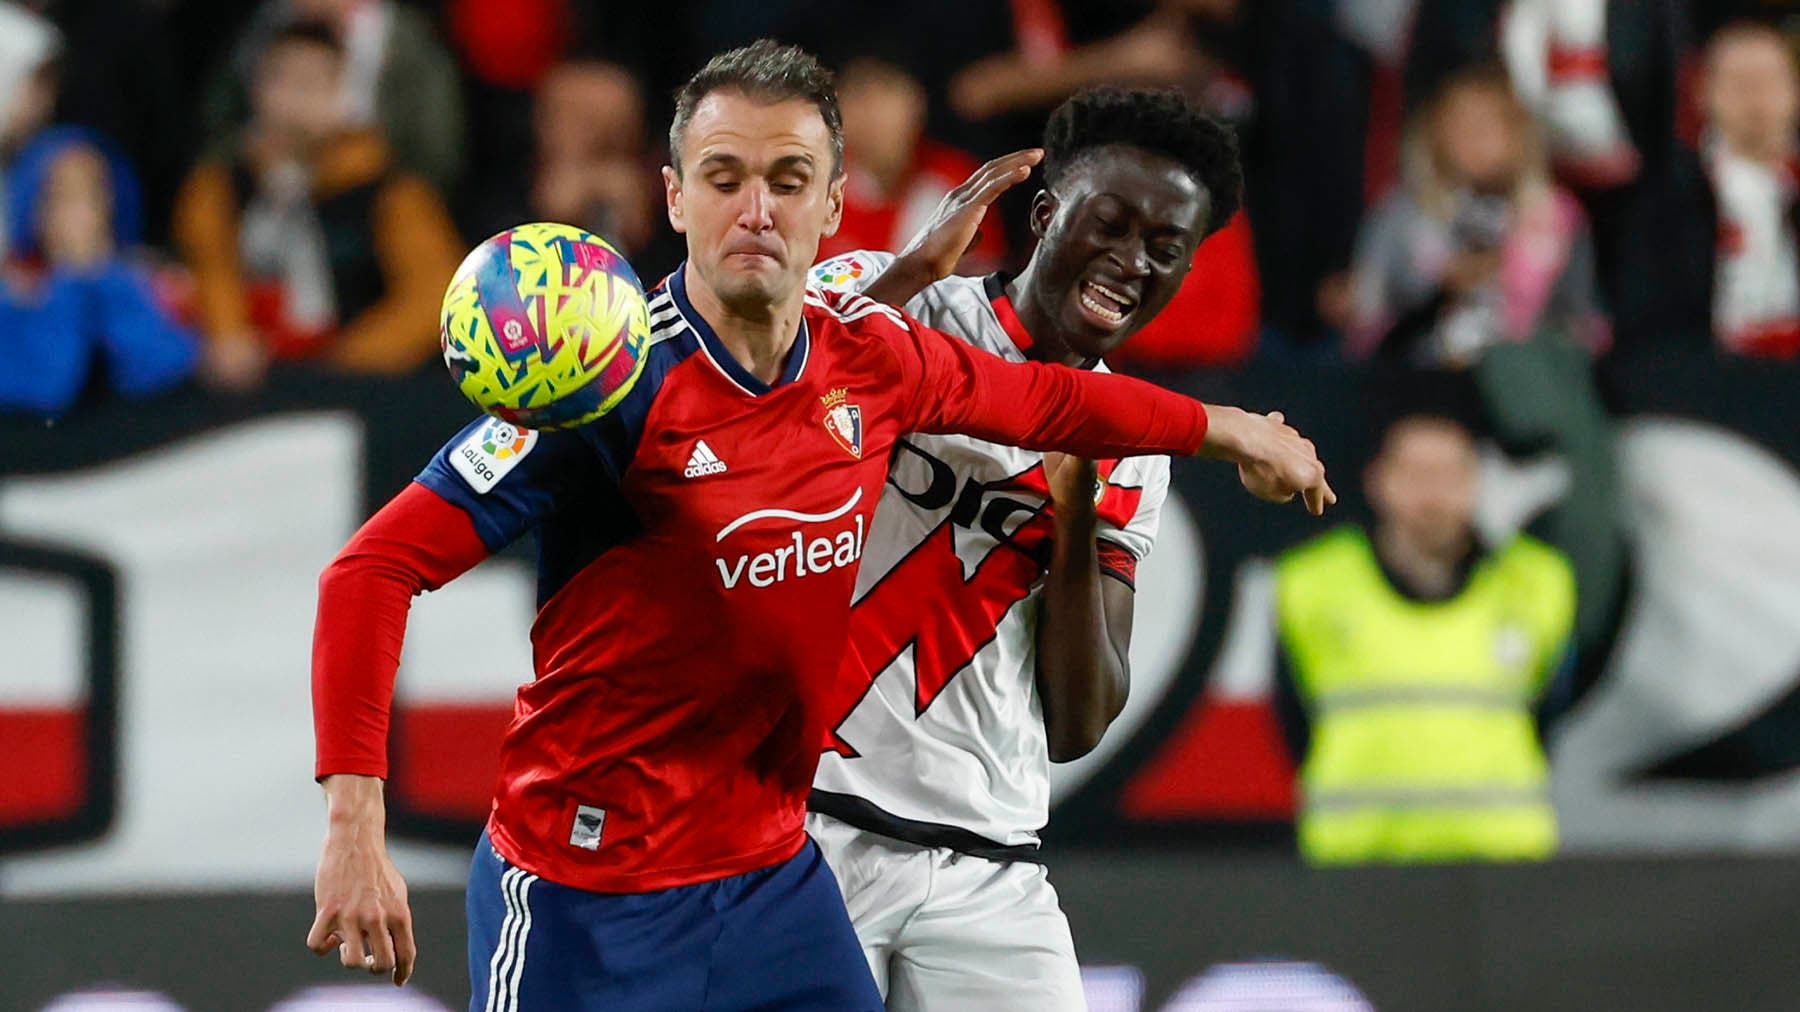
x=545, y=326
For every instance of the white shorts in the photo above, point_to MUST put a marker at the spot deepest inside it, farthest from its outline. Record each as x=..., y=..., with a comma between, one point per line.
x=945, y=931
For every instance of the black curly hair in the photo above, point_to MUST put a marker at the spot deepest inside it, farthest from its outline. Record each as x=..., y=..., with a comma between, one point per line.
x=1160, y=121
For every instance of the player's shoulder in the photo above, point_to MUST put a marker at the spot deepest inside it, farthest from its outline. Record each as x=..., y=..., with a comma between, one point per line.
x=851, y=312
x=1530, y=556
x=848, y=272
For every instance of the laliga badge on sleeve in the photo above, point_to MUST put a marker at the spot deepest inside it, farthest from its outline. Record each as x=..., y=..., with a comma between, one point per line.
x=840, y=274
x=490, y=452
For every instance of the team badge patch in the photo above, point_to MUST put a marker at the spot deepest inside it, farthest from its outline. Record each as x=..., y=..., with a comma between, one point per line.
x=490, y=452
x=843, y=421
x=840, y=274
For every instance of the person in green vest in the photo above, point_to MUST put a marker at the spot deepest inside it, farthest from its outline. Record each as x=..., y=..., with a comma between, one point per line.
x=1416, y=665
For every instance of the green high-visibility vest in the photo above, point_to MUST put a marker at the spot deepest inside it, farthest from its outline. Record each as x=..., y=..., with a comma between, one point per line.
x=1424, y=746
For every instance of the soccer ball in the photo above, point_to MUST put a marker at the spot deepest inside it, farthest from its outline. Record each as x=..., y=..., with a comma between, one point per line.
x=545, y=326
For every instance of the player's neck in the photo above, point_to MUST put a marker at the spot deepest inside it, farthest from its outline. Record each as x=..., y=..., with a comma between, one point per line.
x=1047, y=343
x=1422, y=573
x=758, y=337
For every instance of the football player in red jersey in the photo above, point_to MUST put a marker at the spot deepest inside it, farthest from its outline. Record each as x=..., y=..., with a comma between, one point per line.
x=697, y=550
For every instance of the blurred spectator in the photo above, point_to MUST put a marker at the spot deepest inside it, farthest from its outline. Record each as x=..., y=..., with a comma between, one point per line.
x=1042, y=67
x=1589, y=67
x=1556, y=53
x=396, y=76
x=1640, y=54
x=305, y=240
x=510, y=44
x=28, y=48
x=120, y=78
x=1725, y=266
x=897, y=175
x=1477, y=246
x=592, y=168
x=1313, y=130
x=1412, y=659
x=71, y=300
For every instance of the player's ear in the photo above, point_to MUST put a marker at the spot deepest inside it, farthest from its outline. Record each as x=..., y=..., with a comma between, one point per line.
x=672, y=194
x=834, y=197
x=1043, y=209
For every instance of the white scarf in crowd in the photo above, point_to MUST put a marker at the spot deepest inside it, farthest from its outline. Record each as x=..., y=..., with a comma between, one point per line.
x=1756, y=274
x=1555, y=51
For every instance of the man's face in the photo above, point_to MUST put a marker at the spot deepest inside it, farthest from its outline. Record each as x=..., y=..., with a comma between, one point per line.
x=1424, y=483
x=298, y=90
x=1752, y=97
x=755, y=195
x=77, y=194
x=1116, y=238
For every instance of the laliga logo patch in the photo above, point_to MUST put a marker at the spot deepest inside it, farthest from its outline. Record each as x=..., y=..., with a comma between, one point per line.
x=504, y=440
x=843, y=421
x=492, y=450
x=839, y=274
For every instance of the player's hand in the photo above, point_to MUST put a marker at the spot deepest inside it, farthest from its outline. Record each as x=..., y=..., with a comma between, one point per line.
x=956, y=223
x=359, y=894
x=1072, y=484
x=1275, y=462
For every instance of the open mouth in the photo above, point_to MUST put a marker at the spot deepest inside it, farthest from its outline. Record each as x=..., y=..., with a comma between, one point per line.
x=1105, y=303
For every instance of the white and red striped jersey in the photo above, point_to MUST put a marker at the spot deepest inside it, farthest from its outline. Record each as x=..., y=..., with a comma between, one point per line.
x=939, y=737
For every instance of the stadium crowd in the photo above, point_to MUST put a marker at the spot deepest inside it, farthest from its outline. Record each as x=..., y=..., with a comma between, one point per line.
x=204, y=188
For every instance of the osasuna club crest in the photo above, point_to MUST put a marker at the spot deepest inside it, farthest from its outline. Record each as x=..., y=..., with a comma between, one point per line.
x=843, y=421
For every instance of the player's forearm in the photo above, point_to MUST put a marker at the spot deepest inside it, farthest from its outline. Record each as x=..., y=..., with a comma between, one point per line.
x=416, y=542
x=1081, y=678
x=1227, y=435
x=354, y=801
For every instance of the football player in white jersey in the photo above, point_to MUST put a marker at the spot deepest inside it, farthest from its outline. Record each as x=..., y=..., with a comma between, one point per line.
x=993, y=610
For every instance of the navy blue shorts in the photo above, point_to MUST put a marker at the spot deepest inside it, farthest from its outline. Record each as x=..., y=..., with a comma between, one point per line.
x=775, y=938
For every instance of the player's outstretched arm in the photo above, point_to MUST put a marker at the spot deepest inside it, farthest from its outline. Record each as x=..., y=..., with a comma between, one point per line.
x=416, y=542
x=933, y=253
x=959, y=389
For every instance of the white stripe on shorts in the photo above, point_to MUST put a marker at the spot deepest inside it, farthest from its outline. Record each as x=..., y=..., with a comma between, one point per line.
x=507, y=967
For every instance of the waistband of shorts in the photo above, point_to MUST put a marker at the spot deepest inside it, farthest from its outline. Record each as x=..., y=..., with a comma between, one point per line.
x=872, y=818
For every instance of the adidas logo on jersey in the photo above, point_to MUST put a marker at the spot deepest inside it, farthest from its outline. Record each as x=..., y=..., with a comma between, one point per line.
x=702, y=462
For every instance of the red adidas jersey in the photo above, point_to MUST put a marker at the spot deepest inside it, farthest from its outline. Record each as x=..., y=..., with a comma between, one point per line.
x=698, y=550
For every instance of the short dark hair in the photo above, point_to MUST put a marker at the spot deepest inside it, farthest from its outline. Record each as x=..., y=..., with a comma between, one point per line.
x=766, y=71
x=306, y=31
x=1160, y=121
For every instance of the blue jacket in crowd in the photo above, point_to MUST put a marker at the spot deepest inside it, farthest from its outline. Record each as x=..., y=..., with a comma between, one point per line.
x=52, y=335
